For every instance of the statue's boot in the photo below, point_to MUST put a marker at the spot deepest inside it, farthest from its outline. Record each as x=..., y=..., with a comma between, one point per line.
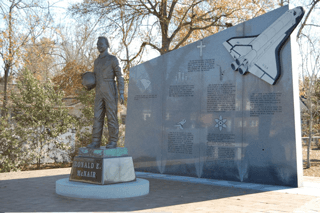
x=94, y=145
x=111, y=145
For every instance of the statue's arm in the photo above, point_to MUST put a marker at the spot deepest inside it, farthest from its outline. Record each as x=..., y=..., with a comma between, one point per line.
x=119, y=74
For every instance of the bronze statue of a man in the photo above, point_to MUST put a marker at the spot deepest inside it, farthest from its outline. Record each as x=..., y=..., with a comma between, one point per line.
x=106, y=68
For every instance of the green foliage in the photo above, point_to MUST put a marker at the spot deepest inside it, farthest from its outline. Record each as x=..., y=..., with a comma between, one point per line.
x=39, y=118
x=83, y=134
x=11, y=155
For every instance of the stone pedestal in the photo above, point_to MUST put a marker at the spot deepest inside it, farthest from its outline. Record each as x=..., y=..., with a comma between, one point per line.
x=68, y=188
x=102, y=174
x=103, y=166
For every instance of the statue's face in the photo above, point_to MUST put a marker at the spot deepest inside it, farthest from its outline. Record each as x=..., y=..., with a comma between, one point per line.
x=101, y=45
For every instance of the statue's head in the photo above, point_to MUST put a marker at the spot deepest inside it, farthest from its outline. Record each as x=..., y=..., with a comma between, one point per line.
x=102, y=44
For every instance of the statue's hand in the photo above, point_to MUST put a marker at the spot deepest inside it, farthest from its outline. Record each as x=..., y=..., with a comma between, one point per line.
x=121, y=99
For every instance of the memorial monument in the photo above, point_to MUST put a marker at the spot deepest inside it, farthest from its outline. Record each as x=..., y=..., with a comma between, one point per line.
x=225, y=107
x=110, y=164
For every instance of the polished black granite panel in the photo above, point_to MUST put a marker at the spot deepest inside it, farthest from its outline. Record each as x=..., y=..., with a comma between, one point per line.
x=190, y=114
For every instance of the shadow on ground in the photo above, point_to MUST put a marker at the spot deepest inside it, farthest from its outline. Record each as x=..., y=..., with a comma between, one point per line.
x=38, y=194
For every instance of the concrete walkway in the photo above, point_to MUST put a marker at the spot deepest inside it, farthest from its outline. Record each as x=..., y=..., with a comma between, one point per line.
x=34, y=191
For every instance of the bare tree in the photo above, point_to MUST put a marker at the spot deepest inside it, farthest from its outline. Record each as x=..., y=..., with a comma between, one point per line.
x=37, y=56
x=310, y=54
x=166, y=25
x=23, y=20
x=127, y=31
x=307, y=18
x=75, y=52
x=76, y=42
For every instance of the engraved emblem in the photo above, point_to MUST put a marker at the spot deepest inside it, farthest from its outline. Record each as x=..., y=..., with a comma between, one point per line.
x=201, y=46
x=145, y=83
x=180, y=124
x=220, y=123
x=260, y=55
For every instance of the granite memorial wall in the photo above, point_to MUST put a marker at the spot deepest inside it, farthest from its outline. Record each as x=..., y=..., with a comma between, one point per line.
x=190, y=114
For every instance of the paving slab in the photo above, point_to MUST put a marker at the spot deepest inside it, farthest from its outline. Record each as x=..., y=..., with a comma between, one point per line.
x=34, y=191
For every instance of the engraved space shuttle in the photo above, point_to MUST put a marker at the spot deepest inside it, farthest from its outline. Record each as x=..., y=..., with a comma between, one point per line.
x=260, y=55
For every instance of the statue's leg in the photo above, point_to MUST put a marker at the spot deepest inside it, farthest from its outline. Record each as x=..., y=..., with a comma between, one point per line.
x=98, y=122
x=111, y=112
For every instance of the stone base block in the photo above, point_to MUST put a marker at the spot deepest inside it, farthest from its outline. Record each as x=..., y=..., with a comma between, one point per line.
x=102, y=152
x=68, y=188
x=102, y=170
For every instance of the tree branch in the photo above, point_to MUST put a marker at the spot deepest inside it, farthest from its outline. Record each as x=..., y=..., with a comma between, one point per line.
x=173, y=4
x=142, y=47
x=306, y=18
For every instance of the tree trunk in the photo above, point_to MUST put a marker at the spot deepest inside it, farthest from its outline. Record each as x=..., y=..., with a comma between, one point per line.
x=128, y=59
x=164, y=25
x=308, y=151
x=310, y=135
x=5, y=95
x=8, y=62
x=39, y=146
x=38, y=163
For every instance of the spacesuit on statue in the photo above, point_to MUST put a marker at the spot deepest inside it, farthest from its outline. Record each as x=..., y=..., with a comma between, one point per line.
x=106, y=68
